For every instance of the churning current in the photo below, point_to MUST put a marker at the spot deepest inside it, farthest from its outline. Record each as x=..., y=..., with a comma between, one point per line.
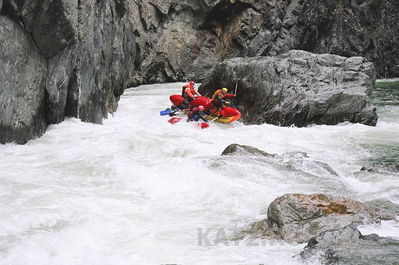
x=138, y=190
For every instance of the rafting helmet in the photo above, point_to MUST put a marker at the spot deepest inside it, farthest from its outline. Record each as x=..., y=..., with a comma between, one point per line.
x=201, y=108
x=191, y=83
x=224, y=90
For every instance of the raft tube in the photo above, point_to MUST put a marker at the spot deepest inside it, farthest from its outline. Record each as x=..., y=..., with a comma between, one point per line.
x=227, y=115
x=177, y=100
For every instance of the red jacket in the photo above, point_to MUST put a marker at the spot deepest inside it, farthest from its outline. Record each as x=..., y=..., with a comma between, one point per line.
x=190, y=91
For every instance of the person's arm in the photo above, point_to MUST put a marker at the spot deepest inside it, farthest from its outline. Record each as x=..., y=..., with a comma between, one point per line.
x=230, y=95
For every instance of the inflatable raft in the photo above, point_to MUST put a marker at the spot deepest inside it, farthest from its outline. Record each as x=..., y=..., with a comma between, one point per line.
x=227, y=114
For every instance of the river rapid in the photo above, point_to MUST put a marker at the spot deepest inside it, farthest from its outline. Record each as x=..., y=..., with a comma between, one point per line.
x=138, y=190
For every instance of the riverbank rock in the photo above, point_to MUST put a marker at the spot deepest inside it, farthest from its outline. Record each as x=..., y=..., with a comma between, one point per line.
x=298, y=88
x=179, y=39
x=78, y=56
x=347, y=246
x=299, y=217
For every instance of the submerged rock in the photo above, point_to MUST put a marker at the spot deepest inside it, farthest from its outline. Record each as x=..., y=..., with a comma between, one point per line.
x=296, y=166
x=347, y=246
x=235, y=149
x=299, y=217
x=299, y=88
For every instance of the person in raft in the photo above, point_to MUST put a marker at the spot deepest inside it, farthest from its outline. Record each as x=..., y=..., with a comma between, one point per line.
x=189, y=93
x=220, y=100
x=197, y=113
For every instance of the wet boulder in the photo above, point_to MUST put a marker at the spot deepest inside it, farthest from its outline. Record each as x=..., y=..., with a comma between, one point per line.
x=299, y=217
x=348, y=246
x=298, y=88
x=237, y=149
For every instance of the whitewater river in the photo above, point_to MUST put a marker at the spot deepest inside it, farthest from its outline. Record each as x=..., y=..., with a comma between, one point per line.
x=138, y=190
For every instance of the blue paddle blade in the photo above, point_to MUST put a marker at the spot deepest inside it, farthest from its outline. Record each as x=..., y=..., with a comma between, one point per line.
x=164, y=112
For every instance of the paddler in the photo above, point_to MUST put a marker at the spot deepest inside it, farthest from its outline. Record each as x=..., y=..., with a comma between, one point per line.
x=220, y=100
x=189, y=93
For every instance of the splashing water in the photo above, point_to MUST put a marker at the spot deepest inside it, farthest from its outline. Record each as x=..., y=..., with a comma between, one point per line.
x=138, y=190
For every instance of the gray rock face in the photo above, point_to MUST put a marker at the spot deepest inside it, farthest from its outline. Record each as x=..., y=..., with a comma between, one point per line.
x=180, y=39
x=299, y=217
x=348, y=246
x=87, y=49
x=299, y=88
x=22, y=101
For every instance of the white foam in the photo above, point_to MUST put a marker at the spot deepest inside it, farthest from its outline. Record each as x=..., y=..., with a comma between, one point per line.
x=136, y=189
x=385, y=229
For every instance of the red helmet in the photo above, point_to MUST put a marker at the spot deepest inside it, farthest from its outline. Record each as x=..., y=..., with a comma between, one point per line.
x=191, y=83
x=201, y=108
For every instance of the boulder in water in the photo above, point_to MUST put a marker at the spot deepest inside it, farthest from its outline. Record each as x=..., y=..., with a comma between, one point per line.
x=299, y=217
x=237, y=149
x=299, y=88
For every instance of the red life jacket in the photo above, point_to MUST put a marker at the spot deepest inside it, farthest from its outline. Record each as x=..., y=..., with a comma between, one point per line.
x=188, y=85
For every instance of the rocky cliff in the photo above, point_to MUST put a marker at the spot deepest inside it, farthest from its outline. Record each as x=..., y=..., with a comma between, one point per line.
x=74, y=58
x=61, y=58
x=180, y=39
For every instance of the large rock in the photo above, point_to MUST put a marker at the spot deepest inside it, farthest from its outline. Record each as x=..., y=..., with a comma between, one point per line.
x=184, y=39
x=299, y=217
x=87, y=49
x=299, y=88
x=347, y=246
